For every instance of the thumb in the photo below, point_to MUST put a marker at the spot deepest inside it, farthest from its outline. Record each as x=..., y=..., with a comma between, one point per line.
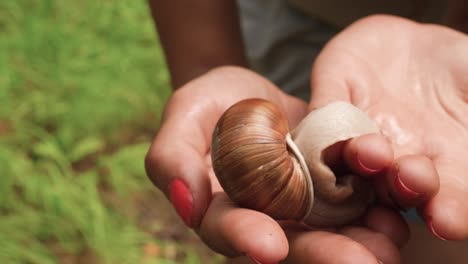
x=329, y=80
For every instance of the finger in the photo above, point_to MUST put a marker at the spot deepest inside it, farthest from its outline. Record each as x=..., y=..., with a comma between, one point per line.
x=447, y=212
x=446, y=215
x=377, y=243
x=320, y=247
x=368, y=154
x=176, y=165
x=234, y=231
x=329, y=83
x=388, y=222
x=412, y=180
x=176, y=161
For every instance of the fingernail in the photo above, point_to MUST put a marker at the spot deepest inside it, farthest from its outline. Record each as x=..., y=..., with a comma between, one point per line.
x=366, y=167
x=430, y=225
x=182, y=200
x=258, y=262
x=404, y=190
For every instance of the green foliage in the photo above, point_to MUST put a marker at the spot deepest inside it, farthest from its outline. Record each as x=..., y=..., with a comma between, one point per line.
x=42, y=203
x=82, y=86
x=90, y=66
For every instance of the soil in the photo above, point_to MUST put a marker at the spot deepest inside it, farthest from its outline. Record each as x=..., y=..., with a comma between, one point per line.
x=156, y=216
x=151, y=210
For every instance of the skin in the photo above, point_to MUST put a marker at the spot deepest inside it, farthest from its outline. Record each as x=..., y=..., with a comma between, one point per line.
x=214, y=27
x=371, y=64
x=234, y=231
x=427, y=64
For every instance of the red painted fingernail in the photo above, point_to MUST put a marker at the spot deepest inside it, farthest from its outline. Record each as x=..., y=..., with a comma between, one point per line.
x=404, y=190
x=432, y=229
x=366, y=168
x=182, y=200
x=256, y=261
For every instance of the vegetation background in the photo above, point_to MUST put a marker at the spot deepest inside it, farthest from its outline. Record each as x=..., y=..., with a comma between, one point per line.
x=82, y=87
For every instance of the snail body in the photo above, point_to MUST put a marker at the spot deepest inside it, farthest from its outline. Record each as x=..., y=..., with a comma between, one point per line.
x=263, y=166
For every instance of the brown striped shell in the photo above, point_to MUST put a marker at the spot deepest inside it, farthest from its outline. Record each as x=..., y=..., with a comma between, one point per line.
x=261, y=168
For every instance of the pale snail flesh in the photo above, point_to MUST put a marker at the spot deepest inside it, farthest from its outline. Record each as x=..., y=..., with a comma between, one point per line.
x=263, y=166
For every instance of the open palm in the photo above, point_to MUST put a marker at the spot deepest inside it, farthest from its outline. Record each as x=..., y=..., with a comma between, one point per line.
x=412, y=79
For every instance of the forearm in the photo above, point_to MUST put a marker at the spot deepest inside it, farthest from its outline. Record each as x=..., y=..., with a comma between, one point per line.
x=197, y=36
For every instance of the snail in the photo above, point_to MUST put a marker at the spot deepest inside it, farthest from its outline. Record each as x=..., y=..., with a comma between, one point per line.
x=263, y=166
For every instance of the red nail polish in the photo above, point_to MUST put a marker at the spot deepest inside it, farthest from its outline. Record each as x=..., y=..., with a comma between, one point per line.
x=182, y=200
x=404, y=190
x=256, y=261
x=365, y=168
x=431, y=228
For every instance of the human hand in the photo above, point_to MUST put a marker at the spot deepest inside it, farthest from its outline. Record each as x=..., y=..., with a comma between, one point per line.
x=179, y=164
x=412, y=80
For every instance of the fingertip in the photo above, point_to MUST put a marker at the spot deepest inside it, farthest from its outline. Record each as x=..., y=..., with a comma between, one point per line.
x=236, y=231
x=368, y=154
x=259, y=237
x=418, y=174
x=379, y=244
x=182, y=200
x=321, y=247
x=446, y=215
x=412, y=180
x=187, y=185
x=388, y=222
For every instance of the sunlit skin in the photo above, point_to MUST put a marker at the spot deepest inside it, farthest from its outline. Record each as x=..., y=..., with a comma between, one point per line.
x=226, y=228
x=410, y=78
x=413, y=80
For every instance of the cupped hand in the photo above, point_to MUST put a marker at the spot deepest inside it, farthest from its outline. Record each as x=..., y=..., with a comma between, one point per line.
x=412, y=79
x=179, y=164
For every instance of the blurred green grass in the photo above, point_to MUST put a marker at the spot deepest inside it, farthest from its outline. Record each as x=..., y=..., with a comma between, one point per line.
x=82, y=86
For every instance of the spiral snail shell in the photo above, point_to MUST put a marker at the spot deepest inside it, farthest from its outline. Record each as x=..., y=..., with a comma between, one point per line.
x=263, y=166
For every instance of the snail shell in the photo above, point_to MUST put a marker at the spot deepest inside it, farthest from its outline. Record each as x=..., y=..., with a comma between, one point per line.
x=263, y=166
